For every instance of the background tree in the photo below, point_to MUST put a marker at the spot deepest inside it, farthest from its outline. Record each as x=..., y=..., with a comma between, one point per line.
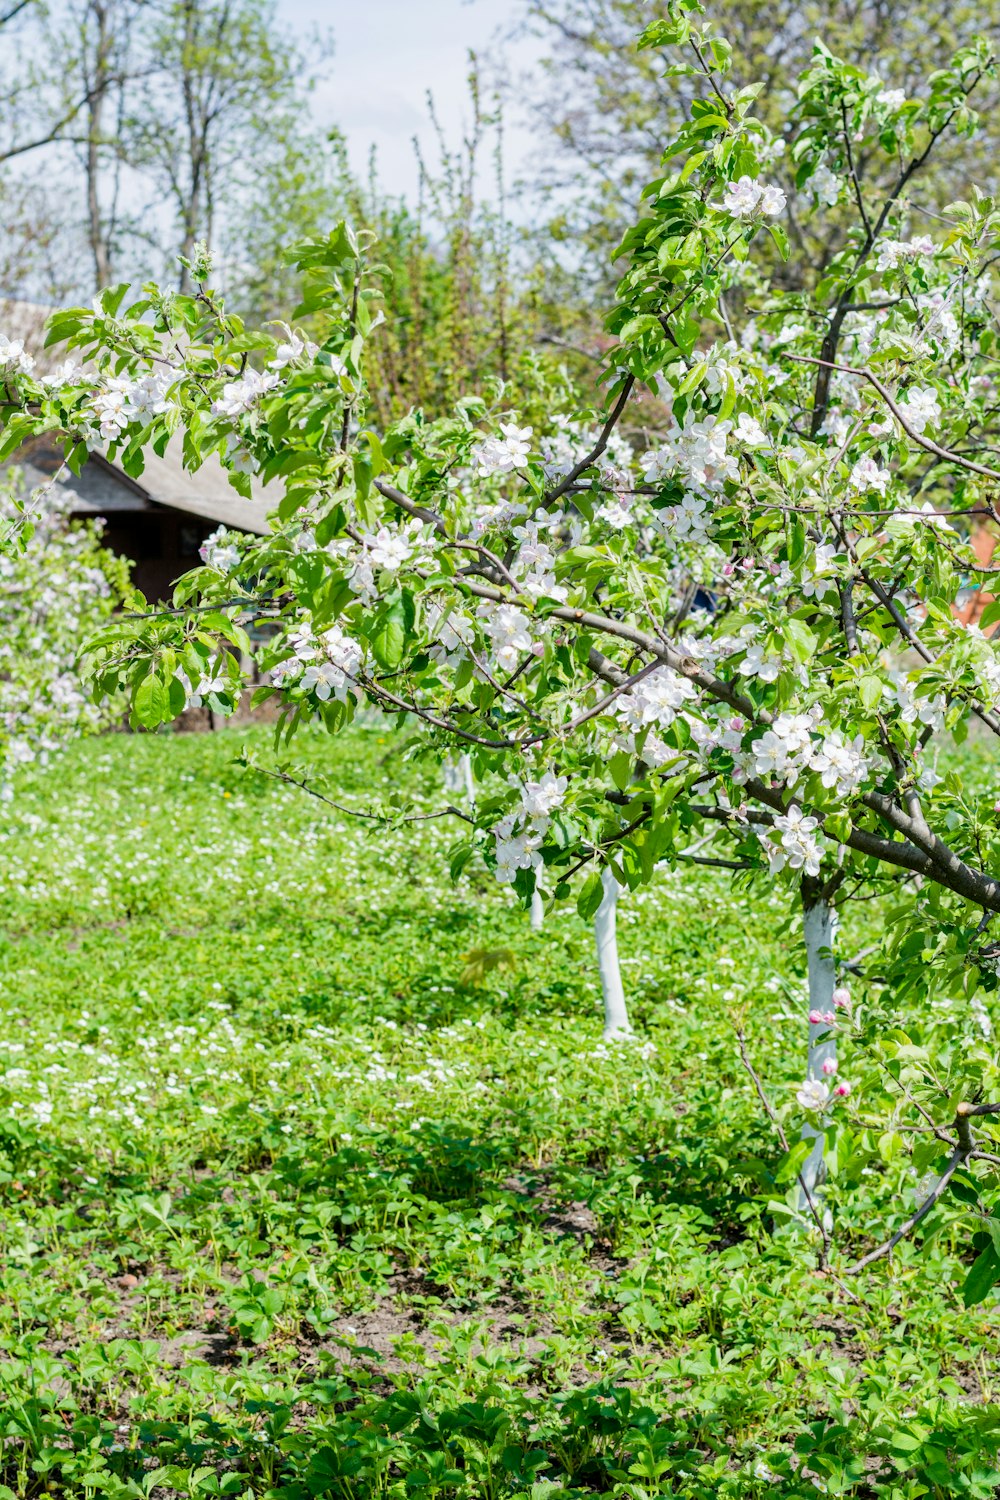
x=165, y=123
x=610, y=109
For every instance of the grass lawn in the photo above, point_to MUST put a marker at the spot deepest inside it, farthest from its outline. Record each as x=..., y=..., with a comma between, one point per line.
x=301, y=1199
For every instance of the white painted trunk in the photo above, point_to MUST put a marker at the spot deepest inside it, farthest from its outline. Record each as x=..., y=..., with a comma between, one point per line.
x=456, y=775
x=537, y=910
x=606, y=938
x=820, y=930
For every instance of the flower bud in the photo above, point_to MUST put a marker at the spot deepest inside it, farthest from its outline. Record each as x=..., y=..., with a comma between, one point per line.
x=830, y=1066
x=843, y=1089
x=842, y=998
x=815, y=1018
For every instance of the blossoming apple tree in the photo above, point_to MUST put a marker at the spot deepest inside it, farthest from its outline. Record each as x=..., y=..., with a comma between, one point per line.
x=57, y=586
x=729, y=630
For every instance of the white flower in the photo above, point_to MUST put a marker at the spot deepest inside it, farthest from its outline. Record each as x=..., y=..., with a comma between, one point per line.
x=518, y=852
x=891, y=99
x=509, y=631
x=220, y=551
x=13, y=358
x=502, y=455
x=756, y=664
x=746, y=197
x=772, y=201
x=839, y=764
x=239, y=460
x=654, y=700
x=816, y=581
x=333, y=674
x=794, y=843
x=750, y=432
x=615, y=512
x=836, y=425
x=450, y=635
x=239, y=395
x=388, y=549
x=111, y=406
x=196, y=696
x=64, y=374
x=771, y=755
x=540, y=798
x=741, y=198
x=147, y=396
x=892, y=252
x=920, y=408
x=293, y=349
x=813, y=1095
x=866, y=475
x=824, y=185
x=322, y=678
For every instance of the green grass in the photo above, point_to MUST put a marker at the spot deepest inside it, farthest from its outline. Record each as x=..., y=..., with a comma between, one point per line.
x=292, y=1207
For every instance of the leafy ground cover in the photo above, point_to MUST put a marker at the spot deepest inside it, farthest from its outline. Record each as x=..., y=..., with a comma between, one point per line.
x=317, y=1178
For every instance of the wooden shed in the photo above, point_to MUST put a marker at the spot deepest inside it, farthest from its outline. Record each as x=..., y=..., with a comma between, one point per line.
x=159, y=520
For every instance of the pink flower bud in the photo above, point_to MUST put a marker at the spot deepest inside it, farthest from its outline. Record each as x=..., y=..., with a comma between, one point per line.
x=815, y=1018
x=830, y=1017
x=728, y=569
x=538, y=649
x=843, y=1089
x=842, y=998
x=830, y=1066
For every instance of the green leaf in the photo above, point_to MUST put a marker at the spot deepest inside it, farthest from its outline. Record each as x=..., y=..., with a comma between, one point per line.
x=590, y=896
x=780, y=239
x=791, y=1165
x=152, y=702
x=621, y=769
x=388, y=636
x=983, y=1275
x=800, y=640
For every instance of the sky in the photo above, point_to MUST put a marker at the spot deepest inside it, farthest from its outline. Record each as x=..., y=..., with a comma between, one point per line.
x=387, y=54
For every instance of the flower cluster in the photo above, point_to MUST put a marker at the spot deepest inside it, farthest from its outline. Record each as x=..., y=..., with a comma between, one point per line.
x=502, y=455
x=326, y=665
x=746, y=197
x=14, y=360
x=696, y=450
x=124, y=399
x=220, y=550
x=238, y=396
x=794, y=842
x=520, y=833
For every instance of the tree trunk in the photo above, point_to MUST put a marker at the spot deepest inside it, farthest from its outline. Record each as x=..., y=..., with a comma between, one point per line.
x=606, y=938
x=98, y=82
x=537, y=909
x=819, y=929
x=457, y=778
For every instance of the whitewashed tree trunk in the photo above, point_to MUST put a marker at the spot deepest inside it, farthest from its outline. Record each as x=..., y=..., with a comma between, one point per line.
x=820, y=931
x=606, y=938
x=537, y=910
x=458, y=779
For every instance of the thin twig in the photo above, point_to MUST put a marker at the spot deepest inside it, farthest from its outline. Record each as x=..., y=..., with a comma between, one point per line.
x=782, y=1137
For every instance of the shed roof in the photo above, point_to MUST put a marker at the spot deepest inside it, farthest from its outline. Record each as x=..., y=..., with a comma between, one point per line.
x=206, y=493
